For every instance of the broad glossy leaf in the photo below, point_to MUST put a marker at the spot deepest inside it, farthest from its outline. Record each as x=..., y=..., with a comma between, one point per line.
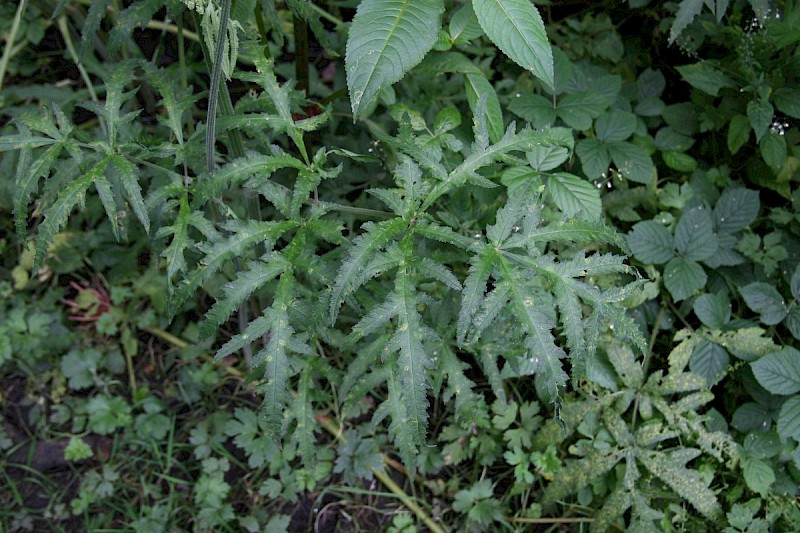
x=477, y=85
x=738, y=133
x=594, y=157
x=387, y=38
x=687, y=11
x=773, y=149
x=709, y=360
x=759, y=112
x=615, y=126
x=633, y=162
x=516, y=27
x=787, y=100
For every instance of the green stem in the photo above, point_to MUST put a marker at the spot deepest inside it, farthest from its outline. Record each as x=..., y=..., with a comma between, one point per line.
x=12, y=36
x=213, y=89
x=331, y=427
x=301, y=53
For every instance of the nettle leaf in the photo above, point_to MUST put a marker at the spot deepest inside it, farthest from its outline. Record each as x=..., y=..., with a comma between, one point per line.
x=651, y=243
x=779, y=372
x=595, y=157
x=615, y=126
x=516, y=27
x=694, y=234
x=387, y=38
x=684, y=277
x=765, y=300
x=574, y=195
x=633, y=162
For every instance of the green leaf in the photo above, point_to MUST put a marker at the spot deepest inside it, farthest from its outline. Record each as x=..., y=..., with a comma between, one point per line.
x=126, y=172
x=709, y=360
x=765, y=300
x=574, y=195
x=690, y=484
x=615, y=126
x=516, y=27
x=789, y=419
x=387, y=38
x=687, y=11
x=779, y=372
x=633, y=162
x=365, y=246
x=577, y=110
x=74, y=194
x=738, y=133
x=759, y=112
x=684, y=277
x=787, y=100
x=705, y=76
x=595, y=157
x=679, y=161
x=713, y=310
x=757, y=474
x=77, y=450
x=464, y=25
x=694, y=234
x=534, y=108
x=736, y=209
x=480, y=269
x=773, y=149
x=651, y=243
x=477, y=85
x=544, y=158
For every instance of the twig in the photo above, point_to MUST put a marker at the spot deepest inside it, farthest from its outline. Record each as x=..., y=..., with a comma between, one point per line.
x=12, y=36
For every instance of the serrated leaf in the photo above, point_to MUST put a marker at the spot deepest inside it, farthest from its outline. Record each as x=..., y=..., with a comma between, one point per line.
x=544, y=158
x=651, y=243
x=736, y=209
x=574, y=195
x=779, y=372
x=476, y=85
x=687, y=483
x=738, y=133
x=765, y=300
x=758, y=475
x=759, y=112
x=74, y=194
x=705, y=76
x=787, y=100
x=481, y=266
x=27, y=180
x=237, y=291
x=534, y=108
x=694, y=234
x=516, y=27
x=773, y=149
x=615, y=126
x=789, y=419
x=595, y=157
x=577, y=110
x=684, y=277
x=687, y=11
x=709, y=360
x=387, y=38
x=126, y=172
x=713, y=310
x=365, y=246
x=633, y=162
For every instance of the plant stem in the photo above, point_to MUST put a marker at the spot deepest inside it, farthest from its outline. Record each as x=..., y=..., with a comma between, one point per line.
x=12, y=36
x=331, y=427
x=172, y=28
